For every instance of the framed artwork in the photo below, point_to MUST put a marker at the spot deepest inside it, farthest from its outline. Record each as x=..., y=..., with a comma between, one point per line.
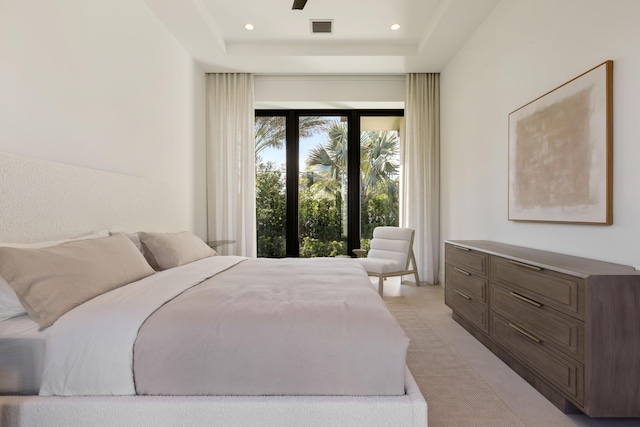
x=560, y=153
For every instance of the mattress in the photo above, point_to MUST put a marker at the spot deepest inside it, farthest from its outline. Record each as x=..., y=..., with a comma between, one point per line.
x=21, y=355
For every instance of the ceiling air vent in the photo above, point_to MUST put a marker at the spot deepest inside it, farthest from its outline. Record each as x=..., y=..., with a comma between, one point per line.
x=324, y=26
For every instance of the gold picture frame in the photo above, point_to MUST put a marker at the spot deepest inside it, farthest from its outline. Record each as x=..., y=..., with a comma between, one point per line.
x=560, y=153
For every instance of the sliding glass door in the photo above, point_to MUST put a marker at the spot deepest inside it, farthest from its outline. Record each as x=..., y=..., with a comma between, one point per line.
x=320, y=179
x=323, y=183
x=271, y=179
x=379, y=174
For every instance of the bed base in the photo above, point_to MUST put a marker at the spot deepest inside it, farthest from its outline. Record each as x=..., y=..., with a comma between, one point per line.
x=409, y=410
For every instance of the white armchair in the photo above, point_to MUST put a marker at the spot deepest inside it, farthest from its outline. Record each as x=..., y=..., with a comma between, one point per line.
x=391, y=254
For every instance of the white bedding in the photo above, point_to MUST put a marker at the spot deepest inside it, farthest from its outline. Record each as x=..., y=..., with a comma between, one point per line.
x=21, y=355
x=291, y=326
x=110, y=323
x=250, y=327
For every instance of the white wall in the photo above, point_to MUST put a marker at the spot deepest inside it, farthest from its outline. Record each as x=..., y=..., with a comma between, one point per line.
x=329, y=91
x=525, y=49
x=104, y=85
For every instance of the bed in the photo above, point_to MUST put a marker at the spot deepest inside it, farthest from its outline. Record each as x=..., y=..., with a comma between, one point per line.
x=319, y=349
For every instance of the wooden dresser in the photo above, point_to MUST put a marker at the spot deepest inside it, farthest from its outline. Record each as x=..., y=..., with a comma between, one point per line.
x=570, y=326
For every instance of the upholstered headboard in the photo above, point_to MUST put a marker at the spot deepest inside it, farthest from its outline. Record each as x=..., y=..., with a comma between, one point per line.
x=42, y=200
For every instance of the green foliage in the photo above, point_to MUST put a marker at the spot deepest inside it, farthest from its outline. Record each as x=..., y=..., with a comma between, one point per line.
x=365, y=244
x=271, y=211
x=376, y=210
x=320, y=225
x=320, y=217
x=311, y=247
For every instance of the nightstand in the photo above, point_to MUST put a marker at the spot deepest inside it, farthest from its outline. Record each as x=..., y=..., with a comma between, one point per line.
x=216, y=243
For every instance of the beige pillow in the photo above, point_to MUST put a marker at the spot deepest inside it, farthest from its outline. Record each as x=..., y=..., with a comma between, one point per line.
x=51, y=281
x=131, y=236
x=10, y=305
x=168, y=250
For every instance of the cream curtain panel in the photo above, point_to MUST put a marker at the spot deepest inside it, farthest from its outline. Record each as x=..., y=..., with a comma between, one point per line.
x=231, y=202
x=420, y=160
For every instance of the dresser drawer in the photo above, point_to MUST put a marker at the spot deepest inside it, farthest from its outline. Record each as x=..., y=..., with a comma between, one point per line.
x=467, y=259
x=554, y=290
x=563, y=373
x=466, y=306
x=466, y=282
x=562, y=332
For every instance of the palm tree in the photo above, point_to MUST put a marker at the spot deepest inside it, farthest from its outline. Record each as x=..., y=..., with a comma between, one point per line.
x=271, y=131
x=327, y=163
x=326, y=171
x=378, y=159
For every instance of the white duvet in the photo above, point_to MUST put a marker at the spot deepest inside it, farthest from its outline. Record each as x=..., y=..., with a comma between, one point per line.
x=89, y=350
x=249, y=327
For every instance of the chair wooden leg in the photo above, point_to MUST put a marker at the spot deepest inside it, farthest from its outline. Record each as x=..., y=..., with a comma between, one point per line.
x=415, y=266
x=380, y=285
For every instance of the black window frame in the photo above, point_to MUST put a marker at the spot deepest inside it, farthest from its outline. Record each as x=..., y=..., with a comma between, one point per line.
x=292, y=145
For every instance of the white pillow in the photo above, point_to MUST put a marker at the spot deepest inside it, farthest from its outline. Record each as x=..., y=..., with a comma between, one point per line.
x=10, y=305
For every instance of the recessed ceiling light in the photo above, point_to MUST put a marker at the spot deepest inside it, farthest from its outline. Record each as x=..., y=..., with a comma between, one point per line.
x=395, y=27
x=248, y=27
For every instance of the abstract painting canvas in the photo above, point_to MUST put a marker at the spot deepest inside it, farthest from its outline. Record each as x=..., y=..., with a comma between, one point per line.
x=560, y=153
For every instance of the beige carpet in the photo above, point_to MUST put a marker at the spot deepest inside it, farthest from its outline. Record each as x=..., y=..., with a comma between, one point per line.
x=456, y=396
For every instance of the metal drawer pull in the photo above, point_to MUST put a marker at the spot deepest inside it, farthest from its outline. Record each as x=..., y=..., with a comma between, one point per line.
x=525, y=299
x=466, y=273
x=525, y=333
x=522, y=264
x=461, y=248
x=462, y=294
